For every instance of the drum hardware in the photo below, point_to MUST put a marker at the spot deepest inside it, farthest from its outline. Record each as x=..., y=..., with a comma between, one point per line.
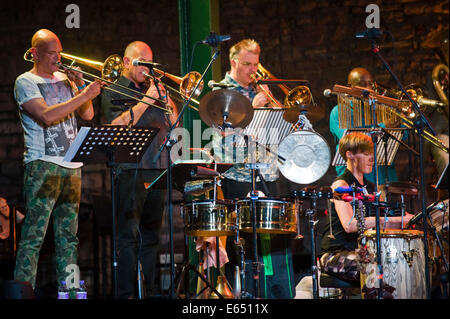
x=409, y=256
x=420, y=123
x=313, y=194
x=167, y=144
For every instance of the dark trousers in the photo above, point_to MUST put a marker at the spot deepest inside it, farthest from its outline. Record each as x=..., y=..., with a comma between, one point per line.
x=140, y=213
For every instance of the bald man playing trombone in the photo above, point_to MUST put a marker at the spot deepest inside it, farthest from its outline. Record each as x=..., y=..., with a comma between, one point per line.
x=140, y=210
x=49, y=101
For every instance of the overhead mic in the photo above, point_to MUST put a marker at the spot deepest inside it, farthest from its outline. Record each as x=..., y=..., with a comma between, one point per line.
x=428, y=102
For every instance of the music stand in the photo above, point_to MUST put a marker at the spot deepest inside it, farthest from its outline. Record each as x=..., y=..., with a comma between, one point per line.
x=443, y=180
x=111, y=144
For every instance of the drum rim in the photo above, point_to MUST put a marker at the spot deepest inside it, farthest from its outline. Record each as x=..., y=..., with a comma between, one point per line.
x=395, y=233
x=271, y=199
x=209, y=201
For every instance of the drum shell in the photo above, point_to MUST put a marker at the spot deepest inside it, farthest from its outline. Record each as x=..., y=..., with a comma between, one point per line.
x=206, y=218
x=408, y=279
x=273, y=216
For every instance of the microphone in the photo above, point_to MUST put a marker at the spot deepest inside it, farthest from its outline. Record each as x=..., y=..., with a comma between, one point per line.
x=327, y=93
x=136, y=62
x=372, y=33
x=213, y=84
x=214, y=39
x=428, y=102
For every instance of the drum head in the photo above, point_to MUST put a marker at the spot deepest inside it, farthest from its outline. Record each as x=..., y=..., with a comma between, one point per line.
x=307, y=157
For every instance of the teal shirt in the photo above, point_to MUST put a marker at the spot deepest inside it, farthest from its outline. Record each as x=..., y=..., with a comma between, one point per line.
x=338, y=133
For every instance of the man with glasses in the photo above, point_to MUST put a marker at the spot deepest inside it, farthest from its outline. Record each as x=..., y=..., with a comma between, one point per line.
x=274, y=251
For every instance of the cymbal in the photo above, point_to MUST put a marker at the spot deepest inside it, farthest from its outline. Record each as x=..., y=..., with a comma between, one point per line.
x=214, y=105
x=304, y=157
x=314, y=113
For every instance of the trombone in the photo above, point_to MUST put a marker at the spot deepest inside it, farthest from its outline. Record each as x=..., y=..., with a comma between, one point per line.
x=186, y=83
x=111, y=70
x=300, y=95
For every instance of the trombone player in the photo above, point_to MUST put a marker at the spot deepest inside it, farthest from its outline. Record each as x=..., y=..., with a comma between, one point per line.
x=276, y=280
x=48, y=101
x=140, y=211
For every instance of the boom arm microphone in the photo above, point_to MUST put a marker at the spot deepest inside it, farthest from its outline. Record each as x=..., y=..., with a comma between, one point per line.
x=214, y=39
x=149, y=64
x=372, y=33
x=213, y=84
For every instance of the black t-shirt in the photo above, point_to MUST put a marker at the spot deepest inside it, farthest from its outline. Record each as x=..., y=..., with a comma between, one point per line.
x=153, y=117
x=342, y=240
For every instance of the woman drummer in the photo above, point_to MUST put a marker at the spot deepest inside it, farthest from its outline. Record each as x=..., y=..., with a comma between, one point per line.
x=340, y=237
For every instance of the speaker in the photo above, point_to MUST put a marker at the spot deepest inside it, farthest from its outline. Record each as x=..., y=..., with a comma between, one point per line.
x=13, y=289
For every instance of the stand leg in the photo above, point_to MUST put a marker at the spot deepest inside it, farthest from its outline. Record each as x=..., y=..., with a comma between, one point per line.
x=113, y=239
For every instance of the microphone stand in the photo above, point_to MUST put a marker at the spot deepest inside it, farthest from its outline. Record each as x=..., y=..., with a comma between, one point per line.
x=420, y=123
x=167, y=144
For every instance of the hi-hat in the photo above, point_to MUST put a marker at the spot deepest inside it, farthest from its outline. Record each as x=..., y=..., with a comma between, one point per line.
x=228, y=106
x=314, y=113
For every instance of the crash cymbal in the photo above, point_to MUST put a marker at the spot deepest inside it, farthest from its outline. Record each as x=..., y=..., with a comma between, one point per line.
x=215, y=105
x=314, y=113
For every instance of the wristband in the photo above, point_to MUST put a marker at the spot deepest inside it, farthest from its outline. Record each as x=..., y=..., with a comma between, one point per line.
x=81, y=87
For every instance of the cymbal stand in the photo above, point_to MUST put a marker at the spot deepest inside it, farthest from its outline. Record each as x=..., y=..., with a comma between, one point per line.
x=311, y=213
x=167, y=144
x=374, y=133
x=253, y=166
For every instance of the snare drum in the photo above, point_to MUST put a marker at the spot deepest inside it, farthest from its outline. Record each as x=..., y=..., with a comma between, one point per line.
x=206, y=218
x=403, y=261
x=273, y=216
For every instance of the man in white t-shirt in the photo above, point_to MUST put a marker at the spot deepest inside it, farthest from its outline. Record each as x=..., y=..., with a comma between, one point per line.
x=48, y=100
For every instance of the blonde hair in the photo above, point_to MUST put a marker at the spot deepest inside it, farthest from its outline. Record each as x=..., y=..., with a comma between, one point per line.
x=246, y=44
x=355, y=143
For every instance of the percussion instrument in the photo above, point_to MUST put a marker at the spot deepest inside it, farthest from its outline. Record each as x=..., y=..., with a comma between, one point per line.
x=209, y=218
x=403, y=261
x=306, y=157
x=273, y=215
x=225, y=108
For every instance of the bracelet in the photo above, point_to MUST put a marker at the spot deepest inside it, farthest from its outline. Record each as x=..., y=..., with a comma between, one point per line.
x=81, y=87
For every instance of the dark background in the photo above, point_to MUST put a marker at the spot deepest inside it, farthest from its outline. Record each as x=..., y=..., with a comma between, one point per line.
x=312, y=40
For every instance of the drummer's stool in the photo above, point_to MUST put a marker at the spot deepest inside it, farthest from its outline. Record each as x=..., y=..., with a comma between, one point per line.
x=347, y=287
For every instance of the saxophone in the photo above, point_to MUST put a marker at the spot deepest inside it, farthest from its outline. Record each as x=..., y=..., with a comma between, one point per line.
x=441, y=84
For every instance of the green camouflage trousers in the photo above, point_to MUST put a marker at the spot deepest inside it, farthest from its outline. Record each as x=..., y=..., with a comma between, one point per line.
x=49, y=189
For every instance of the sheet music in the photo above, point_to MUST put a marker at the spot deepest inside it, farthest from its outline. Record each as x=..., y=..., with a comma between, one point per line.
x=82, y=133
x=268, y=126
x=392, y=147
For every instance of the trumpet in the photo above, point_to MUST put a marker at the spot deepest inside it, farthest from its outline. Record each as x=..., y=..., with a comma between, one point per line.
x=300, y=95
x=111, y=69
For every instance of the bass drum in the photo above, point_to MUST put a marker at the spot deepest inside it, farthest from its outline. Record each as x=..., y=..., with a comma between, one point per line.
x=304, y=157
x=403, y=261
x=208, y=218
x=273, y=216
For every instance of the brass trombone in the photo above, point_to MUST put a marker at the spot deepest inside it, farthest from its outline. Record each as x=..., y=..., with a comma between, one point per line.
x=300, y=95
x=111, y=70
x=187, y=84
